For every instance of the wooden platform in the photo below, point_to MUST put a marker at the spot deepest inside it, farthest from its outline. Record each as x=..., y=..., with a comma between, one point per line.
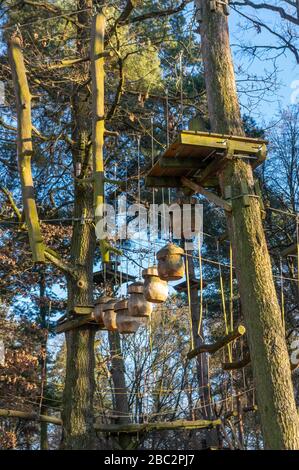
x=67, y=324
x=112, y=275
x=182, y=286
x=201, y=155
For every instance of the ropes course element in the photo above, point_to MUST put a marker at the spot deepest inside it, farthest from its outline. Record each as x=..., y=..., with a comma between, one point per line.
x=221, y=343
x=189, y=303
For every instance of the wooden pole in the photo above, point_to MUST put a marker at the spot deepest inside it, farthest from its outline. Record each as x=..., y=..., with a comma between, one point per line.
x=208, y=194
x=24, y=146
x=212, y=348
x=98, y=120
x=158, y=426
x=30, y=416
x=244, y=362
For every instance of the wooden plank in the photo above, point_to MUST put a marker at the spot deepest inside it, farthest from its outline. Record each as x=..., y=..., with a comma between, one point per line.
x=76, y=323
x=214, y=347
x=215, y=135
x=236, y=144
x=215, y=166
x=210, y=196
x=163, y=182
x=194, y=283
x=83, y=309
x=180, y=162
x=156, y=426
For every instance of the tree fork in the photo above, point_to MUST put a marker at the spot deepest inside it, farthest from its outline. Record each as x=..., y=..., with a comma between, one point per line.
x=266, y=336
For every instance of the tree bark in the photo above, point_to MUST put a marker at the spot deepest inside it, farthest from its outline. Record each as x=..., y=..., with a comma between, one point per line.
x=77, y=416
x=44, y=443
x=202, y=366
x=121, y=405
x=262, y=314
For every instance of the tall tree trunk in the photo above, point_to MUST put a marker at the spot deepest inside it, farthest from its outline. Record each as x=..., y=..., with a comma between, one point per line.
x=266, y=336
x=202, y=366
x=78, y=431
x=44, y=444
x=121, y=405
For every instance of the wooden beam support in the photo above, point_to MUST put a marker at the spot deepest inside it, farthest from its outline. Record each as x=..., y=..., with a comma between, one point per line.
x=157, y=426
x=290, y=250
x=24, y=147
x=76, y=323
x=163, y=182
x=30, y=416
x=210, y=196
x=212, y=348
x=216, y=165
x=179, y=162
x=98, y=119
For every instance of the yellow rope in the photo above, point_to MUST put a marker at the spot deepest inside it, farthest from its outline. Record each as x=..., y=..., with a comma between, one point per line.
x=201, y=288
x=231, y=289
x=231, y=295
x=282, y=295
x=223, y=304
x=297, y=235
x=189, y=303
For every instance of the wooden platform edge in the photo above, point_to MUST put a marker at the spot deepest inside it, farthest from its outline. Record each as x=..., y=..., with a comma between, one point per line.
x=76, y=323
x=158, y=426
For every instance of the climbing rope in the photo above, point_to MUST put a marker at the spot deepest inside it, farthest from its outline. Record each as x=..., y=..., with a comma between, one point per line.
x=189, y=303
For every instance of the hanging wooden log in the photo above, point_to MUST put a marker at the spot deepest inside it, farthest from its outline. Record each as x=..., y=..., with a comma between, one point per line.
x=155, y=290
x=157, y=426
x=214, y=347
x=98, y=122
x=126, y=323
x=138, y=306
x=245, y=361
x=171, y=262
x=24, y=147
x=237, y=364
x=109, y=315
x=98, y=309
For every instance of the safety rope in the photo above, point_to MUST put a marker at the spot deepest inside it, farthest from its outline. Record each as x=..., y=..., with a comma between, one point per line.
x=223, y=301
x=282, y=294
x=200, y=288
x=189, y=302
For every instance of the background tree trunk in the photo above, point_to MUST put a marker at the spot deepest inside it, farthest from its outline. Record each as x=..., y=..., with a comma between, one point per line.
x=121, y=406
x=266, y=335
x=78, y=431
x=202, y=366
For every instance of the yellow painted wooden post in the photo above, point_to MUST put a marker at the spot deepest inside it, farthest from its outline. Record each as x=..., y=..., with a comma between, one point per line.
x=24, y=146
x=98, y=120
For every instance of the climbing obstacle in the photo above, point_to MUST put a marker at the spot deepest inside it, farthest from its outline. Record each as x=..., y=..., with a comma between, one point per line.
x=200, y=156
x=221, y=343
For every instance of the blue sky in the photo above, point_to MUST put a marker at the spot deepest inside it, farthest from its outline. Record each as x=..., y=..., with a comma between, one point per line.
x=266, y=109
